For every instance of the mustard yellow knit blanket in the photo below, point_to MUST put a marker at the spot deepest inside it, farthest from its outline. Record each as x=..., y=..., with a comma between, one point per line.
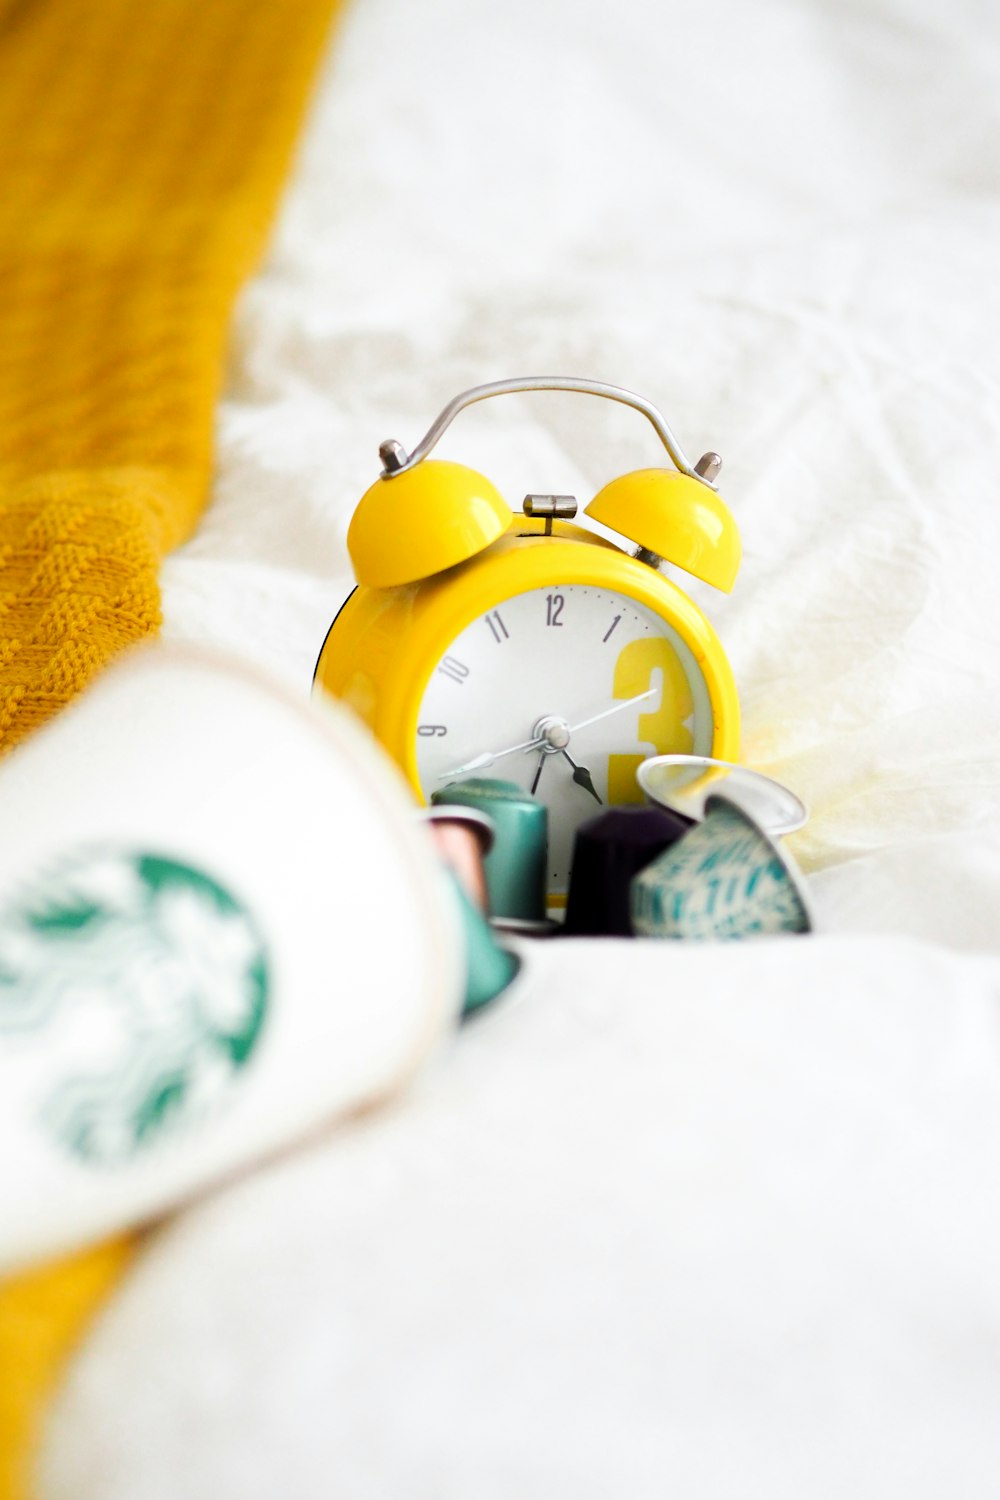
x=142, y=148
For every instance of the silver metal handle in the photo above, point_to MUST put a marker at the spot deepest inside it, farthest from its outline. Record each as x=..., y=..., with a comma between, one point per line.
x=396, y=459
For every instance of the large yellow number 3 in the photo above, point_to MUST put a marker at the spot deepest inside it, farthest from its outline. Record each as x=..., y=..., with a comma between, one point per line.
x=664, y=730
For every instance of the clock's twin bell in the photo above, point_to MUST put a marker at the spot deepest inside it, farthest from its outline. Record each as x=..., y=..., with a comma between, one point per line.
x=423, y=515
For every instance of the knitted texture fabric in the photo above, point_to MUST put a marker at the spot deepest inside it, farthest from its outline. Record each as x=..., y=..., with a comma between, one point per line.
x=142, y=149
x=141, y=152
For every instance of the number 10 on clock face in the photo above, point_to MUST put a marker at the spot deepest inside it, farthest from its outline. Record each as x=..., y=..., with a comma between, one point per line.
x=564, y=690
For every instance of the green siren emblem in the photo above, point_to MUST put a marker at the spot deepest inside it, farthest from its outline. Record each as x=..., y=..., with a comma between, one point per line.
x=141, y=987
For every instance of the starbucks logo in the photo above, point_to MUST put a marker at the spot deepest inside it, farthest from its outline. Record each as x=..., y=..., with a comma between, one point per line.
x=136, y=989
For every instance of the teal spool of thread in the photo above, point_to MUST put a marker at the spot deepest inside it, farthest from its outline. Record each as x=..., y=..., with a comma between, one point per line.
x=516, y=866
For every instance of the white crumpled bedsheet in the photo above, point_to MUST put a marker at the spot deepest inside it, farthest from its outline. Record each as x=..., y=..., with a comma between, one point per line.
x=701, y=1222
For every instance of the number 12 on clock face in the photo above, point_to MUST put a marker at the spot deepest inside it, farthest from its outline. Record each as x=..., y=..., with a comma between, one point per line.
x=564, y=691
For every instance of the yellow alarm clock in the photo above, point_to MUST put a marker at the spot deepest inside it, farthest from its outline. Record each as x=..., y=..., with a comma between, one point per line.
x=480, y=642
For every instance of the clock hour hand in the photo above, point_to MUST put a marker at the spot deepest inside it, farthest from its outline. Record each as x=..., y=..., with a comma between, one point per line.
x=583, y=778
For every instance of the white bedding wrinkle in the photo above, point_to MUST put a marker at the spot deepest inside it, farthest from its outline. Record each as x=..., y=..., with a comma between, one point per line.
x=708, y=1223
x=728, y=1228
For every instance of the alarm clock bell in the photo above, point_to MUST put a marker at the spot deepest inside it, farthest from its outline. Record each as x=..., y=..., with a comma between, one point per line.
x=673, y=517
x=423, y=516
x=412, y=524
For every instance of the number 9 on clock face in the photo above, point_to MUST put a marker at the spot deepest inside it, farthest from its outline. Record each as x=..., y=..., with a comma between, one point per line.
x=564, y=690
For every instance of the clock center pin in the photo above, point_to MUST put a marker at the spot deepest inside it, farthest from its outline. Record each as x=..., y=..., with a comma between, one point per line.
x=554, y=731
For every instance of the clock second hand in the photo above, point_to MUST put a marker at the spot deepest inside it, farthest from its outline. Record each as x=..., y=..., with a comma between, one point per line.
x=489, y=756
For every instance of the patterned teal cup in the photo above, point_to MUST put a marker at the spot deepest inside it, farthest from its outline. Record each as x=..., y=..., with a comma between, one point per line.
x=724, y=879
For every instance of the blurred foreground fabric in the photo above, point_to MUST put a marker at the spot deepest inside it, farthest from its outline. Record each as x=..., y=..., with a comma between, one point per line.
x=141, y=155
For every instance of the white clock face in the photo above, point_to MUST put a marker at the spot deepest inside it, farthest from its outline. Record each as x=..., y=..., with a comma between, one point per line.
x=584, y=682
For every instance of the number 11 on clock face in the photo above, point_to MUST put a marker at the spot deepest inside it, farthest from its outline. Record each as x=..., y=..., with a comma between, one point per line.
x=564, y=690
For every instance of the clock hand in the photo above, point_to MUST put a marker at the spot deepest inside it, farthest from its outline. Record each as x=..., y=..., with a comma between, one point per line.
x=583, y=778
x=616, y=709
x=538, y=771
x=489, y=756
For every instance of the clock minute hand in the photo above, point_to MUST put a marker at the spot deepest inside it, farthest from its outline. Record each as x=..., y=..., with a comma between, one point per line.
x=617, y=709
